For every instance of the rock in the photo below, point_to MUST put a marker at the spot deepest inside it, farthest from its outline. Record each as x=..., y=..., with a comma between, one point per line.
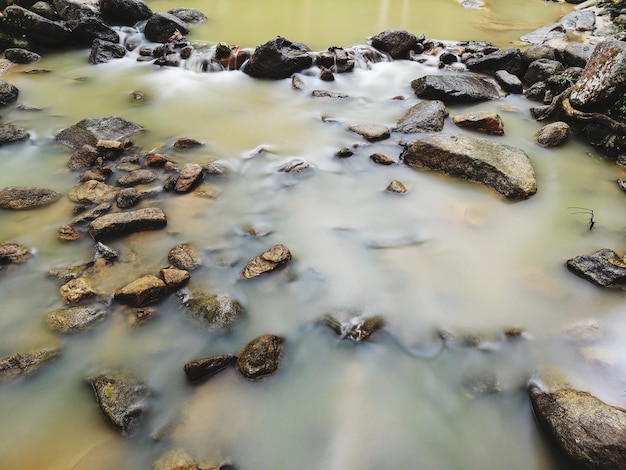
x=219, y=312
x=189, y=177
x=546, y=35
x=335, y=59
x=583, y=20
x=397, y=43
x=20, y=56
x=260, y=357
x=552, y=134
x=184, y=256
x=126, y=12
x=156, y=160
x=120, y=223
x=329, y=94
x=43, y=31
x=11, y=253
x=76, y=290
x=371, y=132
x=396, y=187
x=577, y=54
x=509, y=82
x=537, y=52
x=8, y=93
x=590, y=431
x=164, y=27
x=44, y=9
x=604, y=268
x=425, y=116
x=89, y=131
x=24, y=364
x=135, y=177
x=188, y=15
x=382, y=159
x=83, y=157
x=89, y=29
x=186, y=143
x=142, y=291
x=10, y=133
x=67, y=233
x=104, y=51
x=295, y=165
x=202, y=369
x=277, y=59
x=100, y=250
x=481, y=121
x=604, y=77
x=509, y=60
x=138, y=316
x=127, y=197
x=92, y=192
x=455, y=88
x=541, y=70
x=19, y=197
x=502, y=167
x=92, y=214
x=174, y=278
x=357, y=328
x=122, y=399
x=74, y=319
x=271, y=259
x=74, y=11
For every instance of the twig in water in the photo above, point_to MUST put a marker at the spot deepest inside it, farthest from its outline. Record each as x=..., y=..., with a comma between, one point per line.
x=583, y=210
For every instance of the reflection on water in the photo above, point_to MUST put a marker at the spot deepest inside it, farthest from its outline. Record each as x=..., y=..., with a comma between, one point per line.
x=447, y=255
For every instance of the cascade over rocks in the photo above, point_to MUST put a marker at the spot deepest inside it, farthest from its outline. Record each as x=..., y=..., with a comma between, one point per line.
x=278, y=58
x=455, y=88
x=502, y=167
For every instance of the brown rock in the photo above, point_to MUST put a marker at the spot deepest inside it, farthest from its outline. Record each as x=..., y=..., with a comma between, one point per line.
x=489, y=123
x=382, y=159
x=396, y=187
x=120, y=223
x=142, y=291
x=186, y=143
x=19, y=197
x=202, y=369
x=76, y=290
x=67, y=233
x=13, y=253
x=140, y=315
x=189, y=176
x=371, y=132
x=260, y=357
x=92, y=192
x=20, y=365
x=83, y=157
x=553, y=134
x=74, y=319
x=135, y=177
x=156, y=160
x=267, y=261
x=184, y=256
x=175, y=278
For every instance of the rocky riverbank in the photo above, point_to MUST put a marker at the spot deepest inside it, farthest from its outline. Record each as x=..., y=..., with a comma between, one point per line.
x=563, y=76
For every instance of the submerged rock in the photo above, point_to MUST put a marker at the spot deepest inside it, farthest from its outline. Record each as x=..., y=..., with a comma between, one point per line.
x=89, y=131
x=357, y=328
x=604, y=268
x=278, y=58
x=92, y=192
x=184, y=256
x=120, y=223
x=271, y=259
x=20, y=365
x=74, y=319
x=218, y=311
x=19, y=197
x=122, y=399
x=425, y=116
x=260, y=357
x=76, y=290
x=13, y=253
x=455, y=88
x=202, y=369
x=142, y=291
x=502, y=167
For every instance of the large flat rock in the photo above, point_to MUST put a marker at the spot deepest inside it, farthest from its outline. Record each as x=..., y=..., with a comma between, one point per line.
x=120, y=223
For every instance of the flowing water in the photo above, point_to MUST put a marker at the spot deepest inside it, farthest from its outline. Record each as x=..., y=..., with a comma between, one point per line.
x=447, y=255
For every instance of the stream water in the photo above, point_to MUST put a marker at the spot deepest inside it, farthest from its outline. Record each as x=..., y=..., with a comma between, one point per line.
x=447, y=255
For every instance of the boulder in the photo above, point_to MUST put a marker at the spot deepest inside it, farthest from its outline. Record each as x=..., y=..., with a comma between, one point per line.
x=455, y=88
x=397, y=43
x=508, y=82
x=502, y=167
x=13, y=253
x=588, y=430
x=553, y=134
x=502, y=59
x=604, y=268
x=20, y=56
x=103, y=51
x=184, y=256
x=122, y=399
x=357, y=328
x=260, y=357
x=43, y=31
x=335, y=59
x=19, y=197
x=10, y=133
x=577, y=54
x=202, y=369
x=92, y=192
x=604, y=77
x=425, y=116
x=142, y=291
x=83, y=157
x=542, y=69
x=582, y=20
x=164, y=27
x=127, y=197
x=481, y=121
x=75, y=10
x=125, y=12
x=24, y=364
x=8, y=93
x=88, y=29
x=278, y=58
x=189, y=177
x=75, y=290
x=74, y=319
x=371, y=132
x=91, y=130
x=218, y=311
x=120, y=223
x=271, y=259
x=135, y=177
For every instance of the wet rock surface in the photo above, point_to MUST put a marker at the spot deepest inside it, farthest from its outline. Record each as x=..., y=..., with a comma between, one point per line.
x=189, y=177
x=121, y=223
x=219, y=312
x=260, y=357
x=278, y=58
x=184, y=256
x=553, y=134
x=143, y=291
x=76, y=290
x=10, y=134
x=201, y=369
x=397, y=43
x=455, y=88
x=426, y=116
x=11, y=253
x=20, y=197
x=604, y=268
x=355, y=329
x=481, y=121
x=89, y=131
x=271, y=259
x=24, y=364
x=371, y=132
x=74, y=319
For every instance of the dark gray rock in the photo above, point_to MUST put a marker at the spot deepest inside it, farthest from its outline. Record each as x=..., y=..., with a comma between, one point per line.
x=100, y=250
x=10, y=134
x=11, y=253
x=502, y=167
x=21, y=56
x=86, y=30
x=120, y=223
x=397, y=43
x=425, y=116
x=577, y=54
x=135, y=177
x=201, y=369
x=184, y=256
x=553, y=134
x=8, y=93
x=502, y=59
x=455, y=88
x=271, y=259
x=162, y=27
x=122, y=399
x=335, y=59
x=24, y=364
x=89, y=131
x=588, y=430
x=188, y=15
x=44, y=9
x=604, y=268
x=143, y=291
x=537, y=52
x=551, y=33
x=104, y=51
x=74, y=319
x=583, y=20
x=74, y=10
x=19, y=197
x=41, y=30
x=127, y=197
x=189, y=177
x=126, y=12
x=278, y=58
x=219, y=312
x=508, y=82
x=542, y=69
x=260, y=357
